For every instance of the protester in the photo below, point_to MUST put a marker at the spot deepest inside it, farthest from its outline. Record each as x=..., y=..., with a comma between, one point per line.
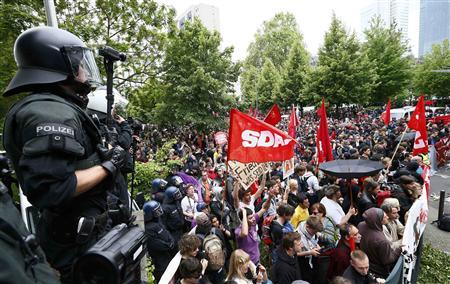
x=375, y=244
x=189, y=245
x=188, y=205
x=313, y=185
x=311, y=250
x=330, y=233
x=301, y=211
x=340, y=257
x=286, y=268
x=393, y=230
x=246, y=236
x=358, y=271
x=369, y=196
x=333, y=208
x=240, y=265
x=190, y=271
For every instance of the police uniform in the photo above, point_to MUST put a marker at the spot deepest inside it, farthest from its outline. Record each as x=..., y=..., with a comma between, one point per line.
x=160, y=246
x=21, y=260
x=48, y=137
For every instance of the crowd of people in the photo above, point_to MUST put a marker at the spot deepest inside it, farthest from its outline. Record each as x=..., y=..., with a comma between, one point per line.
x=313, y=227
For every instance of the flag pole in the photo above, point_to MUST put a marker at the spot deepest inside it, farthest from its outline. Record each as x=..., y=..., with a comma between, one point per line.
x=399, y=142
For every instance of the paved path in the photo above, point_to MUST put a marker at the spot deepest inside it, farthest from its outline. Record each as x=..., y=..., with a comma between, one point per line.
x=433, y=235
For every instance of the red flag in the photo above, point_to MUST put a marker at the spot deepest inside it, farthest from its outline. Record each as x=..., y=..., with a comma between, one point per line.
x=386, y=115
x=324, y=150
x=250, y=111
x=418, y=122
x=274, y=115
x=252, y=140
x=293, y=123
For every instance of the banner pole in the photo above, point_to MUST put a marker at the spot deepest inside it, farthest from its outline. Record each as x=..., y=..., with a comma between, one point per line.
x=399, y=142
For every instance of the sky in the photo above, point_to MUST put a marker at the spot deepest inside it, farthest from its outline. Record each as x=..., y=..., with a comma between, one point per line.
x=240, y=19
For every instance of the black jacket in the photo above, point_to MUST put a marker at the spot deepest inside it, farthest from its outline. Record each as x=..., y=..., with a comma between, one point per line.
x=286, y=268
x=351, y=274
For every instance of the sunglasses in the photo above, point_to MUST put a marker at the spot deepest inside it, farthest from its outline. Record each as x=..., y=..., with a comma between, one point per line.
x=315, y=213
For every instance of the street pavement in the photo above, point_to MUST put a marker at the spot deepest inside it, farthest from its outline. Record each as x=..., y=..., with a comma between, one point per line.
x=438, y=238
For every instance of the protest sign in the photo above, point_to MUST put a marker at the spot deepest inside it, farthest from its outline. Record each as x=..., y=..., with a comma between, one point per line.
x=220, y=138
x=415, y=225
x=248, y=173
x=288, y=168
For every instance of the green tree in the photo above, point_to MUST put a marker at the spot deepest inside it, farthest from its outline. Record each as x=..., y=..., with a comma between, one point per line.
x=268, y=86
x=137, y=28
x=386, y=50
x=15, y=17
x=273, y=41
x=294, y=76
x=426, y=79
x=199, y=79
x=343, y=74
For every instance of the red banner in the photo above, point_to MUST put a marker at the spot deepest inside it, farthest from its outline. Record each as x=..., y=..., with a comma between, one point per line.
x=324, y=150
x=274, y=115
x=293, y=123
x=386, y=115
x=252, y=140
x=418, y=122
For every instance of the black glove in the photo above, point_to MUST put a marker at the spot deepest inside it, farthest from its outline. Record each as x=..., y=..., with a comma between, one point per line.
x=115, y=158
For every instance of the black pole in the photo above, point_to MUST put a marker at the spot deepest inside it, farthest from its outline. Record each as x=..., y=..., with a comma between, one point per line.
x=134, y=148
x=441, y=204
x=109, y=64
x=110, y=55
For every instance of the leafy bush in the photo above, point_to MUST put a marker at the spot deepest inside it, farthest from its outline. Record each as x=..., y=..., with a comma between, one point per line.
x=158, y=168
x=434, y=266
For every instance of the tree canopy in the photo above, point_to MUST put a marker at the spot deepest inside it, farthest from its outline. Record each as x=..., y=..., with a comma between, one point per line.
x=273, y=41
x=429, y=78
x=198, y=79
x=343, y=74
x=387, y=52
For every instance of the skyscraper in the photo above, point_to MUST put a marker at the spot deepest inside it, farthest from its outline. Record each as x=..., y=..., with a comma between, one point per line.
x=390, y=11
x=207, y=14
x=434, y=24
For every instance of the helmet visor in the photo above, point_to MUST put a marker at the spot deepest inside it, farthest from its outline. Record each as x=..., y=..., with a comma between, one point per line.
x=157, y=212
x=82, y=64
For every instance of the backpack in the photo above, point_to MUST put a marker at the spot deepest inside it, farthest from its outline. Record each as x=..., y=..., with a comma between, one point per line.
x=212, y=245
x=302, y=184
x=267, y=230
x=444, y=222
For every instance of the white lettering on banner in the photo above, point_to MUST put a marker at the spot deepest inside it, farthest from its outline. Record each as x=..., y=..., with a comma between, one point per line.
x=252, y=139
x=419, y=143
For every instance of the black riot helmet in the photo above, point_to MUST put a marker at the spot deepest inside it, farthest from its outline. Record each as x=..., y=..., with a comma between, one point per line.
x=48, y=55
x=172, y=194
x=152, y=210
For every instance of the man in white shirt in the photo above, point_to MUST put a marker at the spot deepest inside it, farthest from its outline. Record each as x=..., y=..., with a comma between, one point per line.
x=334, y=209
x=313, y=184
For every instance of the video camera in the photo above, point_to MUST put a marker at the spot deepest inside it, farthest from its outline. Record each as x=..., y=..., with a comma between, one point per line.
x=115, y=258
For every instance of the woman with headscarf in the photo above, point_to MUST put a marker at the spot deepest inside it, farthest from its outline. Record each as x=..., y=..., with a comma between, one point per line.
x=375, y=244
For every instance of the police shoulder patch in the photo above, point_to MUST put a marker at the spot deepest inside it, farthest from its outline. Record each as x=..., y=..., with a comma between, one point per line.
x=44, y=129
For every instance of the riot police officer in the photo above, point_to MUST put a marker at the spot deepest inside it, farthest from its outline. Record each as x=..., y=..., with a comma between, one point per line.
x=158, y=187
x=21, y=260
x=54, y=145
x=160, y=244
x=173, y=217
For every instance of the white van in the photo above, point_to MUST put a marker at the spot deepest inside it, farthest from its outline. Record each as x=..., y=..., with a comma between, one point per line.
x=404, y=112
